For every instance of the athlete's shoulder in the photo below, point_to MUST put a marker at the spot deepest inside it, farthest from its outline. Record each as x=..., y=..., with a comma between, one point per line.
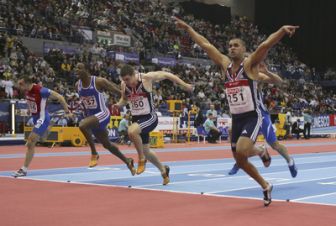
x=146, y=76
x=45, y=92
x=36, y=87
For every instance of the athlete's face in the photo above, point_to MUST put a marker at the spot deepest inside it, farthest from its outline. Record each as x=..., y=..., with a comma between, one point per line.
x=22, y=85
x=130, y=80
x=236, y=49
x=80, y=70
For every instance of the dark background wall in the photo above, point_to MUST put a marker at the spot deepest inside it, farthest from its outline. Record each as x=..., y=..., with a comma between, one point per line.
x=215, y=13
x=315, y=41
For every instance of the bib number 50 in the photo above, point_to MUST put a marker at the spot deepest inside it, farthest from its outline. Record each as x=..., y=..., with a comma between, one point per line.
x=137, y=104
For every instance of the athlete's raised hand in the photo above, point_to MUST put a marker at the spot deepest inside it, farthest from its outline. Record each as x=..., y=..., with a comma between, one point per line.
x=180, y=23
x=290, y=30
x=190, y=88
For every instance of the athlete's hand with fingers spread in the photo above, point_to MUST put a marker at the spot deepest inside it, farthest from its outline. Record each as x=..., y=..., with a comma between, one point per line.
x=180, y=23
x=290, y=30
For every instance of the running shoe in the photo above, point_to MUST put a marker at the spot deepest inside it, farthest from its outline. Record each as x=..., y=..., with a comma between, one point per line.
x=165, y=176
x=234, y=169
x=268, y=195
x=20, y=173
x=293, y=170
x=141, y=166
x=130, y=165
x=265, y=156
x=94, y=161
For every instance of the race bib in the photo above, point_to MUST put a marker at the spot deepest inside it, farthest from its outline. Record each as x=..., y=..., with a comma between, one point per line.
x=32, y=106
x=239, y=97
x=90, y=102
x=139, y=105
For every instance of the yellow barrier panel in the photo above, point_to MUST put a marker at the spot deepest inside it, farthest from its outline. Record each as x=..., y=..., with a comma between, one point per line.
x=280, y=131
x=114, y=121
x=62, y=134
x=156, y=139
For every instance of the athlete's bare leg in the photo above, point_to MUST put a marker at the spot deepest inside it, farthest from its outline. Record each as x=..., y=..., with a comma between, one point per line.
x=245, y=149
x=134, y=131
x=85, y=127
x=102, y=137
x=31, y=143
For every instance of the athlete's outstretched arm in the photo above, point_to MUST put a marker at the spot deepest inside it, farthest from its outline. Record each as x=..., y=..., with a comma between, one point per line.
x=267, y=76
x=60, y=98
x=213, y=53
x=157, y=76
x=123, y=100
x=104, y=84
x=261, y=52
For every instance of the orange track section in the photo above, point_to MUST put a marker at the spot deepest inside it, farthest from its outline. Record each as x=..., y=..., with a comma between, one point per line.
x=32, y=203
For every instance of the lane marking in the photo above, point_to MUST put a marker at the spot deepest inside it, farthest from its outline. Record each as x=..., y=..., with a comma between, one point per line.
x=315, y=196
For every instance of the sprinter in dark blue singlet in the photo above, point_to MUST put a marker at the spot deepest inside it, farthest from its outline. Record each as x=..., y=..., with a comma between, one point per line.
x=267, y=127
x=137, y=89
x=241, y=91
x=97, y=115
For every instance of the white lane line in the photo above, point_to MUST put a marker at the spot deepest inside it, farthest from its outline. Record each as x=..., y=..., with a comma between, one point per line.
x=315, y=196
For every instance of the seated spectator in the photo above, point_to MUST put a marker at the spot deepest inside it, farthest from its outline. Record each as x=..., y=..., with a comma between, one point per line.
x=123, y=128
x=296, y=129
x=212, y=131
x=62, y=121
x=213, y=112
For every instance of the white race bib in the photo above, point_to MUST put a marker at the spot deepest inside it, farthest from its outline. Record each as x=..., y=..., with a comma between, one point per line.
x=239, y=97
x=139, y=105
x=89, y=102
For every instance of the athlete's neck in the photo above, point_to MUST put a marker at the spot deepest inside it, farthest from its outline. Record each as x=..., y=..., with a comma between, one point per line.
x=86, y=80
x=237, y=61
x=135, y=82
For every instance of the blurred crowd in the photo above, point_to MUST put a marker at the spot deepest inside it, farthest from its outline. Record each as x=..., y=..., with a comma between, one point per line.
x=153, y=32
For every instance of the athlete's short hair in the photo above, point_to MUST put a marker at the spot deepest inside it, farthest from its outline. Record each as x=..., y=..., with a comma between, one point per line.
x=27, y=79
x=126, y=70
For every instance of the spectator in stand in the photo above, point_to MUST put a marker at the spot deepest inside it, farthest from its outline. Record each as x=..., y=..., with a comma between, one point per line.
x=62, y=121
x=66, y=68
x=9, y=44
x=308, y=119
x=296, y=129
x=212, y=131
x=8, y=84
x=213, y=112
x=199, y=118
x=123, y=128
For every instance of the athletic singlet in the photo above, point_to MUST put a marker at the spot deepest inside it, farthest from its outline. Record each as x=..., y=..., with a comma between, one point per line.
x=141, y=100
x=92, y=99
x=37, y=100
x=241, y=92
x=261, y=101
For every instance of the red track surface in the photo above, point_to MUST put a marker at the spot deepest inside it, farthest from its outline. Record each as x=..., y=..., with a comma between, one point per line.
x=35, y=203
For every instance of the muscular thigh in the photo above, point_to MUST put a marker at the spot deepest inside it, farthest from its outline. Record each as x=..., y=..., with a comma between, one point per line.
x=90, y=122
